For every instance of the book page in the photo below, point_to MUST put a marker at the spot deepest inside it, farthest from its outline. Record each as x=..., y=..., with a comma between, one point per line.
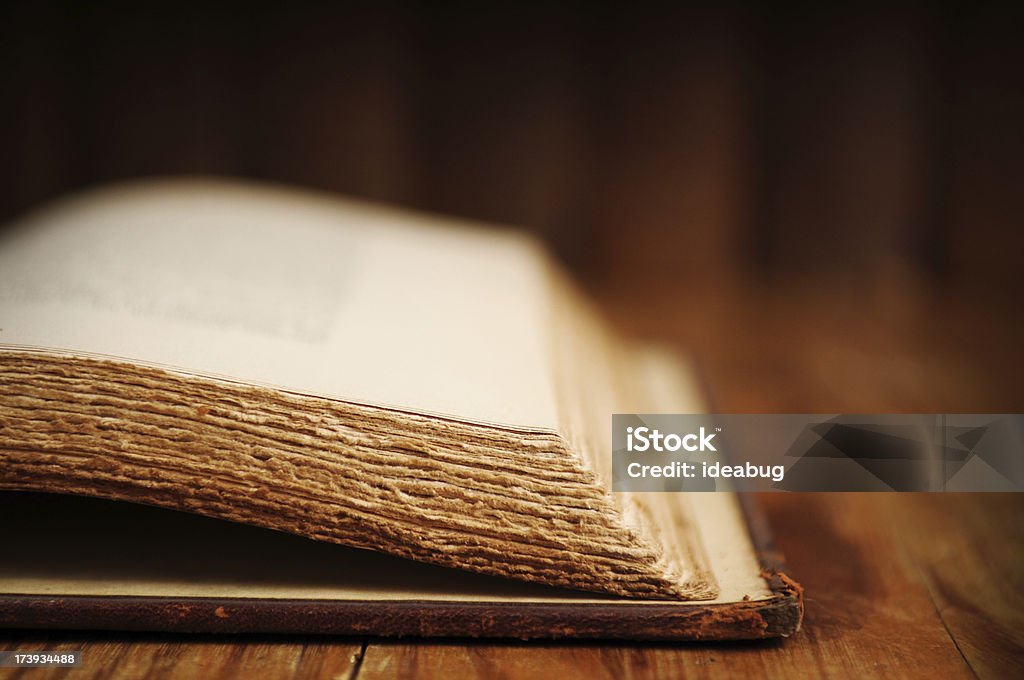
x=307, y=293
x=119, y=549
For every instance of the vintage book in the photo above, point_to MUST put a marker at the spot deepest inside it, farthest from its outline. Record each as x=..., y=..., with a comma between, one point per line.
x=353, y=374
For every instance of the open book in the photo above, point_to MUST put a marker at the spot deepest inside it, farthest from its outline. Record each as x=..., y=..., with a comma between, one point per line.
x=352, y=374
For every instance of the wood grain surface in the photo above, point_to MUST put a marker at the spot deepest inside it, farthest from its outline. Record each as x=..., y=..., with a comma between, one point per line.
x=898, y=585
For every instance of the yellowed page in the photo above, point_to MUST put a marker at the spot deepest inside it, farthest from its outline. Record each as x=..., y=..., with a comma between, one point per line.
x=115, y=548
x=311, y=294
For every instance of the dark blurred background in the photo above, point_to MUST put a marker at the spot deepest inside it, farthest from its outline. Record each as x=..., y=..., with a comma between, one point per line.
x=816, y=194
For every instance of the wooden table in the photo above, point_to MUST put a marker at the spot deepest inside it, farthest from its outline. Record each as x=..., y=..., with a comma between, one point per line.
x=898, y=585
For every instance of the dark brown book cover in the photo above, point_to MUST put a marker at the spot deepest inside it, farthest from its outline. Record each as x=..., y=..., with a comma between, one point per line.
x=135, y=543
